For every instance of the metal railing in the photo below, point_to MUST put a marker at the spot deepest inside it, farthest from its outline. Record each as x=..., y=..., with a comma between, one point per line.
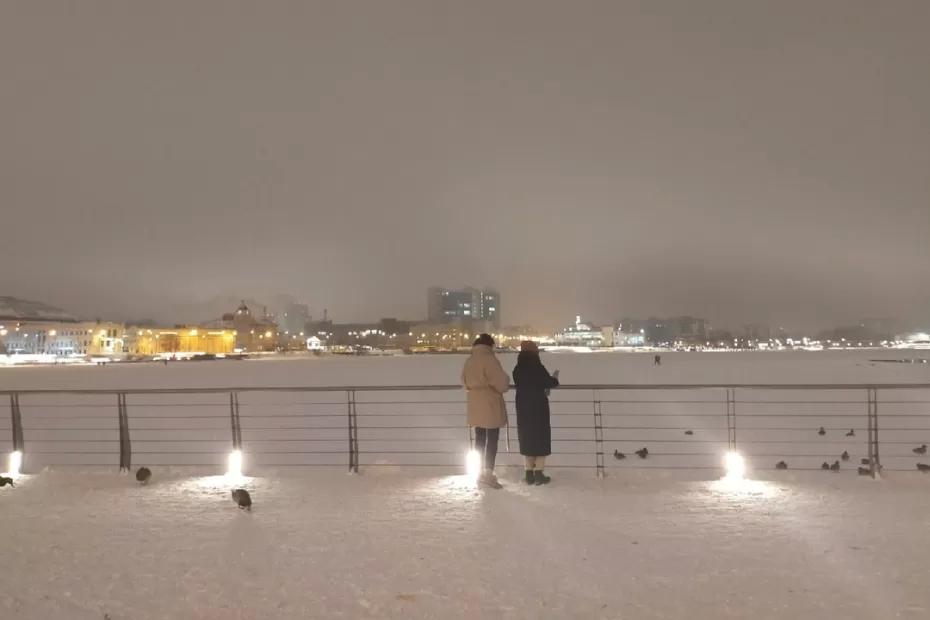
x=600, y=427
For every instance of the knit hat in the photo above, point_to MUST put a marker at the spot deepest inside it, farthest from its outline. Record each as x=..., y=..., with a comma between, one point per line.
x=485, y=339
x=529, y=345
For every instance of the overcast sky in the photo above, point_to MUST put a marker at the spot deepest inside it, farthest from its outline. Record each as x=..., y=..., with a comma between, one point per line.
x=740, y=160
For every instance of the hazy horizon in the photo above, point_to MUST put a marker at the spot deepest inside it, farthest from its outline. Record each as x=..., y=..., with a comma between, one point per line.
x=743, y=162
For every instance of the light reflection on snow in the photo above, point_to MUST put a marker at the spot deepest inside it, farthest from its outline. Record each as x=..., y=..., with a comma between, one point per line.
x=473, y=464
x=213, y=483
x=454, y=488
x=15, y=464
x=744, y=488
x=234, y=469
x=735, y=466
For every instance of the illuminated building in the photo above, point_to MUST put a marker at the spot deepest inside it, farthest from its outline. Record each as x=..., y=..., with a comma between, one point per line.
x=581, y=335
x=252, y=334
x=181, y=339
x=63, y=338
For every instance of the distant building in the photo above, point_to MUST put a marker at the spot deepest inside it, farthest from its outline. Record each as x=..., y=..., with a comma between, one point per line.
x=681, y=330
x=880, y=328
x=321, y=328
x=866, y=332
x=623, y=336
x=581, y=334
x=689, y=330
x=448, y=305
x=146, y=341
x=252, y=333
x=62, y=338
x=451, y=335
x=757, y=332
x=293, y=319
x=388, y=333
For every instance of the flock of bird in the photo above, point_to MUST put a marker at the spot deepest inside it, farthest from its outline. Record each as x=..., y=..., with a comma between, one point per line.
x=826, y=466
x=643, y=453
x=240, y=496
x=144, y=475
x=863, y=471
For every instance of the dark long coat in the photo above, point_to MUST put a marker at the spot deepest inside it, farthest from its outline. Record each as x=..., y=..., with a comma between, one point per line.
x=533, y=427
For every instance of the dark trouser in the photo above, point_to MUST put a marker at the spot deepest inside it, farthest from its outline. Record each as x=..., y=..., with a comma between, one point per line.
x=486, y=445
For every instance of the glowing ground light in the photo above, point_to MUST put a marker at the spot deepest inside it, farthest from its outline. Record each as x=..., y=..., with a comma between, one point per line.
x=15, y=463
x=734, y=465
x=473, y=464
x=234, y=467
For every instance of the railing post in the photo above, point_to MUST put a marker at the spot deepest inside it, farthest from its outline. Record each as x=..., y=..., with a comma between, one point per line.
x=731, y=419
x=878, y=461
x=353, y=431
x=16, y=425
x=872, y=424
x=598, y=434
x=125, y=446
x=234, y=420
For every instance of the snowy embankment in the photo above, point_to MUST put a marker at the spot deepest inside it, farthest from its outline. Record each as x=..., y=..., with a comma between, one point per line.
x=85, y=546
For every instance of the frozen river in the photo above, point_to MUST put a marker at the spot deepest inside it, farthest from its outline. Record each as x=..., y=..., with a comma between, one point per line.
x=584, y=368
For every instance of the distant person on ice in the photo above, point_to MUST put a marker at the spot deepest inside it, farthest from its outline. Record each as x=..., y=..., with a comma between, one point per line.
x=533, y=383
x=657, y=361
x=486, y=382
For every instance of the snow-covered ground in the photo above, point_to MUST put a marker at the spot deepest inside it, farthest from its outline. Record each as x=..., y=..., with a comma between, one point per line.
x=401, y=544
x=667, y=541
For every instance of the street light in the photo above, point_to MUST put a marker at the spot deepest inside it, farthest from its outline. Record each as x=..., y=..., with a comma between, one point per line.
x=735, y=465
x=15, y=463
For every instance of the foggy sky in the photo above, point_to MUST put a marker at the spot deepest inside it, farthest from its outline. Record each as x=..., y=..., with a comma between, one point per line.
x=743, y=161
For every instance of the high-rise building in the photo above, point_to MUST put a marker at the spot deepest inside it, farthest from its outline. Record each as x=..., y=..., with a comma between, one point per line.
x=446, y=305
x=293, y=318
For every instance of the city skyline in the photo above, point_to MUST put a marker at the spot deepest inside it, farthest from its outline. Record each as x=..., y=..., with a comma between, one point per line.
x=286, y=303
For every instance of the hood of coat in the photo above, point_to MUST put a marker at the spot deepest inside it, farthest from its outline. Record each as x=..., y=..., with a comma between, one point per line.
x=528, y=358
x=482, y=349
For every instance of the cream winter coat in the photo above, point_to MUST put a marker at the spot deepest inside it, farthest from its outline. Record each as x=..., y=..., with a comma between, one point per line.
x=486, y=382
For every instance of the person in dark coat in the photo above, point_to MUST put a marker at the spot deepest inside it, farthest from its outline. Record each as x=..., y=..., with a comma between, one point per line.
x=533, y=383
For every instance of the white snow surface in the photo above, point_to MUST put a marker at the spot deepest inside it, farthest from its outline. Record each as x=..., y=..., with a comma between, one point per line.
x=82, y=545
x=83, y=542
x=850, y=366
